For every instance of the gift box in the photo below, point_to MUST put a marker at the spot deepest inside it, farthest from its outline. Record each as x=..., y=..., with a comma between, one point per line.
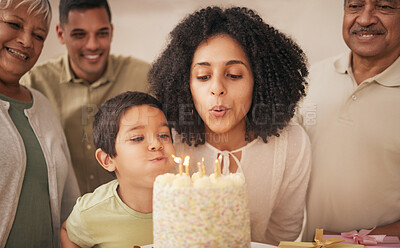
x=370, y=241
x=319, y=242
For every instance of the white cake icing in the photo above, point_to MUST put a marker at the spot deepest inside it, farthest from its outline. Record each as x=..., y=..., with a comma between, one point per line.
x=202, y=212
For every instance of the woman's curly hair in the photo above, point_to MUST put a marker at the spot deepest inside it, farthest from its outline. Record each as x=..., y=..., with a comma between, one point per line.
x=277, y=62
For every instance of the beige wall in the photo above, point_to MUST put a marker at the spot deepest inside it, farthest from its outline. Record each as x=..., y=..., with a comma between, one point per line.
x=141, y=27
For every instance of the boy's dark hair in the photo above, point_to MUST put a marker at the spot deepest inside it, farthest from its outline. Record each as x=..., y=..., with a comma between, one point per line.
x=277, y=62
x=106, y=120
x=67, y=5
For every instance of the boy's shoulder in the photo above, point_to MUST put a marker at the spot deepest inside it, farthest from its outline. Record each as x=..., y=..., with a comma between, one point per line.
x=101, y=195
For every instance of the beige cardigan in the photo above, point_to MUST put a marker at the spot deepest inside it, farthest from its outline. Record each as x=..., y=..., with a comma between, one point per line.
x=63, y=187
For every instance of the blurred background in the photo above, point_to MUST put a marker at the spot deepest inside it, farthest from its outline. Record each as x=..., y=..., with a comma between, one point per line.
x=141, y=27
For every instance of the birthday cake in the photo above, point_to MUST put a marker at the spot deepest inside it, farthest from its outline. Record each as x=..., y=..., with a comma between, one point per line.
x=200, y=211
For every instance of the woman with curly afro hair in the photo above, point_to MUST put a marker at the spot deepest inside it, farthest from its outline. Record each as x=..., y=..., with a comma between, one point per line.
x=229, y=84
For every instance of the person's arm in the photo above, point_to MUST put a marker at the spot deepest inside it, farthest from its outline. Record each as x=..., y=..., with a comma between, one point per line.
x=65, y=242
x=390, y=230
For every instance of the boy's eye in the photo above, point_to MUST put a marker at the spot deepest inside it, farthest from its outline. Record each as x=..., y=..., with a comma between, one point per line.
x=137, y=139
x=165, y=136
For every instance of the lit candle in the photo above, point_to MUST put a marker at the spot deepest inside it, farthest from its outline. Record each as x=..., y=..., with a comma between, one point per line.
x=217, y=169
x=200, y=169
x=186, y=164
x=178, y=160
x=203, y=169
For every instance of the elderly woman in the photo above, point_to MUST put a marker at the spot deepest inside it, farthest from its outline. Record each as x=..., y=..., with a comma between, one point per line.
x=229, y=83
x=37, y=185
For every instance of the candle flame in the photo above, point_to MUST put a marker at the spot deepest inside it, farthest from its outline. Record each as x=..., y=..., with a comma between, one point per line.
x=186, y=162
x=177, y=160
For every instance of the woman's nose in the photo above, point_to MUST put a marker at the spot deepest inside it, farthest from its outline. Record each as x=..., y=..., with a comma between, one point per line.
x=25, y=39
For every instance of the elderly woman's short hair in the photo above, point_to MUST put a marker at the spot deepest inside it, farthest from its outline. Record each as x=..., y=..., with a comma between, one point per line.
x=35, y=7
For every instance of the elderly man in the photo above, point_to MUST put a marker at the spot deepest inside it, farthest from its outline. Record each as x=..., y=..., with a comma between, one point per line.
x=352, y=116
x=84, y=78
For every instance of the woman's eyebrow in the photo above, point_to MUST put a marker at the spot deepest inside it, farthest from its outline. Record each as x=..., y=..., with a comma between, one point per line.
x=230, y=62
x=235, y=62
x=202, y=63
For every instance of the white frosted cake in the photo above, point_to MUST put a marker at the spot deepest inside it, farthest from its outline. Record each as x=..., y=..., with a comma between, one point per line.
x=202, y=211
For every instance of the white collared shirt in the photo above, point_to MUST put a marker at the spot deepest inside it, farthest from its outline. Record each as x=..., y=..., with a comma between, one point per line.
x=355, y=137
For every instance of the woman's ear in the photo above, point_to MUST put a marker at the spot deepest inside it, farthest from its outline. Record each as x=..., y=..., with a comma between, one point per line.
x=105, y=160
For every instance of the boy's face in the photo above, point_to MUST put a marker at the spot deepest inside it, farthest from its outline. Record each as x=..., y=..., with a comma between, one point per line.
x=143, y=146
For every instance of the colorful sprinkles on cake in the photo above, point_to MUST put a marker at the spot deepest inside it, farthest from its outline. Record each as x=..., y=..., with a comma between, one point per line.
x=205, y=211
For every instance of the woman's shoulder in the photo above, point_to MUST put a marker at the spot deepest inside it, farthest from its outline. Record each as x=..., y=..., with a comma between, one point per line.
x=292, y=133
x=40, y=103
x=43, y=110
x=298, y=147
x=39, y=98
x=292, y=141
x=295, y=133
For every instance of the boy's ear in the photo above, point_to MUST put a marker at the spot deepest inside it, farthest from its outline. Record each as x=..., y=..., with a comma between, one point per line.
x=105, y=160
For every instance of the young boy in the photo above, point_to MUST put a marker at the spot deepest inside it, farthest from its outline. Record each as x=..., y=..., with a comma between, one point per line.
x=133, y=141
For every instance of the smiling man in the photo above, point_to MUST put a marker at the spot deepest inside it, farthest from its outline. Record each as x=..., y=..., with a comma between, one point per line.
x=84, y=78
x=352, y=116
